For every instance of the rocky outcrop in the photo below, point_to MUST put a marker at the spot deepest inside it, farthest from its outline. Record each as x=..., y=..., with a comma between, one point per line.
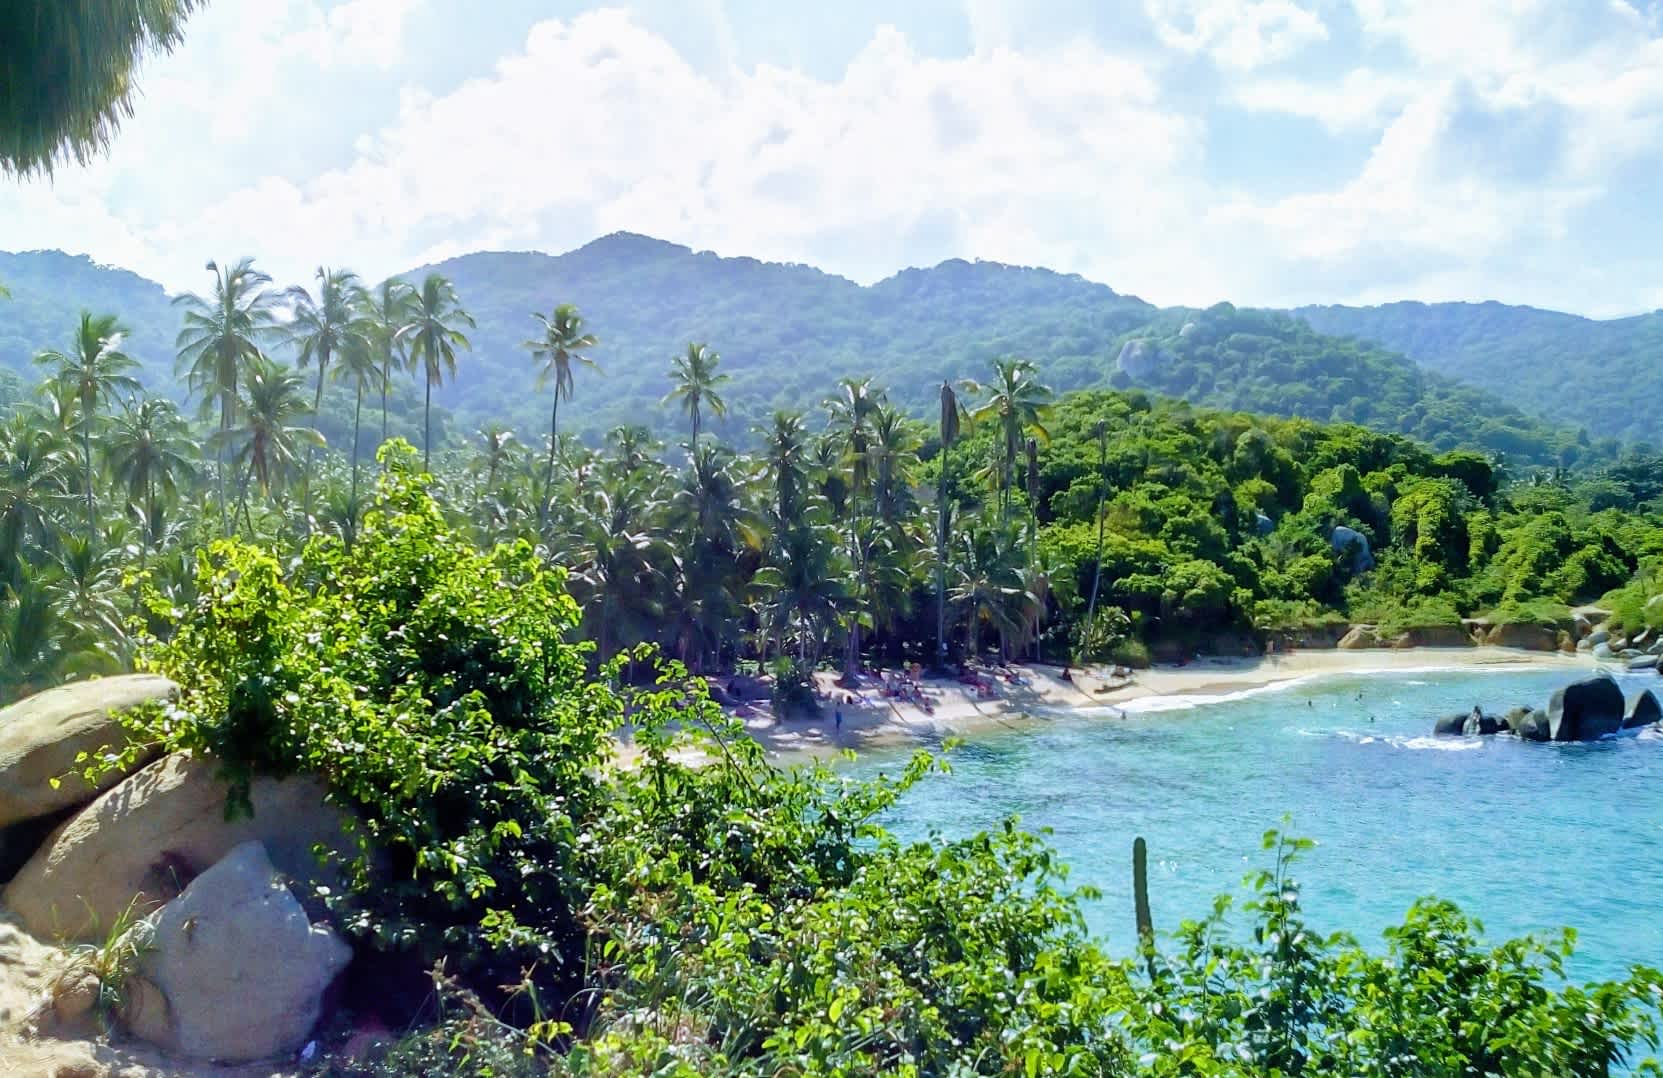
x=1530, y=724
x=1451, y=725
x=1643, y=662
x=41, y=736
x=1480, y=723
x=145, y=839
x=1525, y=637
x=1586, y=710
x=237, y=969
x=1353, y=546
x=1434, y=636
x=1646, y=711
x=1139, y=359
x=1361, y=636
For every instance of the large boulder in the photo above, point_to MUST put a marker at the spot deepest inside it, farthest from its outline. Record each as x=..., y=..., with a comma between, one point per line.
x=1586, y=710
x=1139, y=359
x=1361, y=636
x=1646, y=711
x=1354, y=546
x=1480, y=723
x=1643, y=662
x=143, y=840
x=1531, y=726
x=1526, y=637
x=1434, y=636
x=238, y=971
x=40, y=737
x=1450, y=725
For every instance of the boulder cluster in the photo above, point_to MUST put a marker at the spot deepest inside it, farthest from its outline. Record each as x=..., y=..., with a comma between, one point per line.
x=229, y=965
x=1585, y=710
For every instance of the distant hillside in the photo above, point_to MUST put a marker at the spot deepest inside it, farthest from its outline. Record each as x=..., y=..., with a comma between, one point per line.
x=1605, y=376
x=49, y=289
x=1269, y=361
x=787, y=333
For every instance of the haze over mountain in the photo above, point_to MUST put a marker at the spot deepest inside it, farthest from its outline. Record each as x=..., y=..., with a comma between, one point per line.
x=786, y=333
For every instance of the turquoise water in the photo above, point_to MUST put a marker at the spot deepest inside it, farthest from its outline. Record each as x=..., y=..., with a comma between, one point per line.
x=1526, y=837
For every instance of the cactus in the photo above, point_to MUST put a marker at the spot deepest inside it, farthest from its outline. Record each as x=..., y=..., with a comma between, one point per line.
x=1140, y=890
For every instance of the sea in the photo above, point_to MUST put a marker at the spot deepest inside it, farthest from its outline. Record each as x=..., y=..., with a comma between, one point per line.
x=1525, y=837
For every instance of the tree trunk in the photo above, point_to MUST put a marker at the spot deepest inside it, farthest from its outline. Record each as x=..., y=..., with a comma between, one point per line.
x=1102, y=490
x=357, y=415
x=548, y=472
x=306, y=475
x=386, y=380
x=427, y=429
x=86, y=452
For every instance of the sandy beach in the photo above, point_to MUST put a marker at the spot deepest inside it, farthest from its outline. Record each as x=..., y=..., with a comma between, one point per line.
x=958, y=710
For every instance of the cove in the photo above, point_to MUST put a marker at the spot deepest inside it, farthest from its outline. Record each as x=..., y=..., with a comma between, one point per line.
x=1526, y=838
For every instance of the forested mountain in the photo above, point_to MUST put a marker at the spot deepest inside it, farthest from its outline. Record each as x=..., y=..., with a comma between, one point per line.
x=1601, y=375
x=1268, y=361
x=787, y=333
x=49, y=289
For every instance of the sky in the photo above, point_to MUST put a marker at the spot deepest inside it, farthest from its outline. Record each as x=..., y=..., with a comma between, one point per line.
x=1267, y=152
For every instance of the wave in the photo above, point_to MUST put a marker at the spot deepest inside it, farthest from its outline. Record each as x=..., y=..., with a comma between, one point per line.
x=1148, y=705
x=1402, y=741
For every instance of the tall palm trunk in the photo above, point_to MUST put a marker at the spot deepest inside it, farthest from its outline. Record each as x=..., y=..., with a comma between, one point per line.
x=306, y=476
x=357, y=413
x=86, y=459
x=1102, y=491
x=226, y=403
x=427, y=429
x=548, y=472
x=386, y=380
x=941, y=575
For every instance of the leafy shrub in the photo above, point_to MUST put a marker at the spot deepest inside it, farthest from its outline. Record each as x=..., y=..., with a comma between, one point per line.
x=792, y=692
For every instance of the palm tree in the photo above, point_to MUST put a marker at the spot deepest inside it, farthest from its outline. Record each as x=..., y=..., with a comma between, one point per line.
x=149, y=451
x=713, y=530
x=33, y=483
x=852, y=412
x=433, y=335
x=220, y=336
x=267, y=447
x=1017, y=401
x=1101, y=429
x=617, y=555
x=696, y=382
x=989, y=585
x=361, y=364
x=951, y=414
x=563, y=342
x=804, y=585
x=786, y=460
x=496, y=446
x=333, y=324
x=93, y=371
x=389, y=309
x=70, y=75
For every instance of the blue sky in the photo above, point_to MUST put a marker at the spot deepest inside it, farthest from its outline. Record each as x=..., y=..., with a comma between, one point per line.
x=1261, y=151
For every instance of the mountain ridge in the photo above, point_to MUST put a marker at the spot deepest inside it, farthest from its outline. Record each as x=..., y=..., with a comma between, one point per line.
x=787, y=331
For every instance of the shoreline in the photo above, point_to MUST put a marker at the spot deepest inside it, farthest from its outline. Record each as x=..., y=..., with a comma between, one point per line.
x=878, y=723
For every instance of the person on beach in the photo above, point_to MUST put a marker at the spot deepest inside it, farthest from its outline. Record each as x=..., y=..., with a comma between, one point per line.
x=838, y=719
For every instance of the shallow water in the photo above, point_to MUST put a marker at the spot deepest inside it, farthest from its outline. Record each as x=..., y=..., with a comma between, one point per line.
x=1526, y=837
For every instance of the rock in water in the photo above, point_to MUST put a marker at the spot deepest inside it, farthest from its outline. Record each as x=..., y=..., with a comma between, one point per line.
x=1450, y=726
x=1586, y=710
x=1646, y=711
x=1479, y=723
x=147, y=837
x=1533, y=726
x=40, y=737
x=240, y=968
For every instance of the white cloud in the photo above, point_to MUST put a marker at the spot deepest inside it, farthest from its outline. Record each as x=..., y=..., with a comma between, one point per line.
x=1076, y=156
x=1240, y=34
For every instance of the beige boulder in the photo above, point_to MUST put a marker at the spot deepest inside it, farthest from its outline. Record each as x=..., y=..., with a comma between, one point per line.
x=142, y=841
x=1527, y=637
x=239, y=969
x=1361, y=636
x=40, y=737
